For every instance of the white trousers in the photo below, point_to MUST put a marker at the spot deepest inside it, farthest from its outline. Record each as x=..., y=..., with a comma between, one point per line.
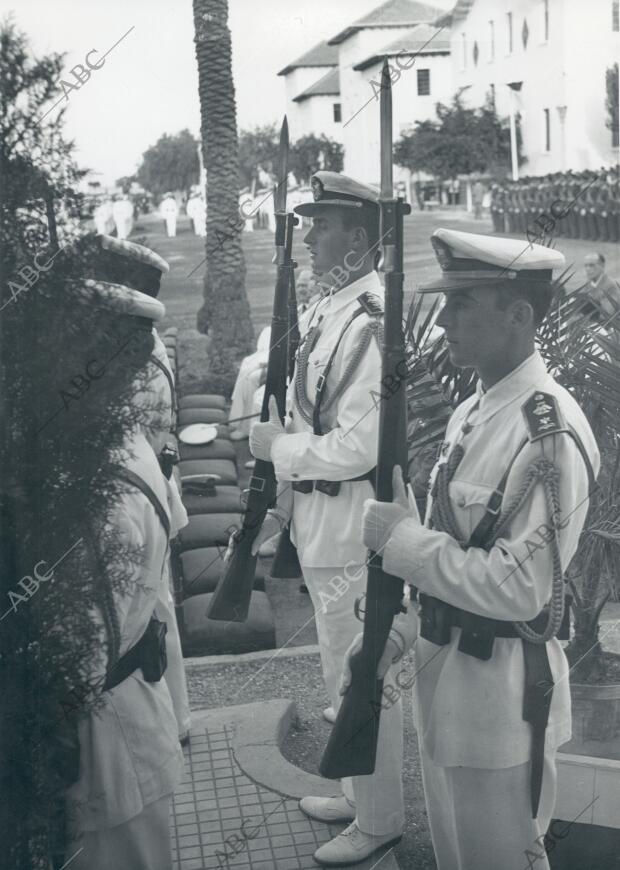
x=482, y=819
x=171, y=225
x=378, y=798
x=142, y=843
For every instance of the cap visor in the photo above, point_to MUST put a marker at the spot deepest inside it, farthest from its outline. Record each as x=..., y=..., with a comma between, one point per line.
x=307, y=209
x=449, y=282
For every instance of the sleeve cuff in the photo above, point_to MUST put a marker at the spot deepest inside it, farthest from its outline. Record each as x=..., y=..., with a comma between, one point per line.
x=402, y=555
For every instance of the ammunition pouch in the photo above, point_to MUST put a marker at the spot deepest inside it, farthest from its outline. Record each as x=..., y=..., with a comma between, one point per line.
x=149, y=654
x=331, y=487
x=478, y=633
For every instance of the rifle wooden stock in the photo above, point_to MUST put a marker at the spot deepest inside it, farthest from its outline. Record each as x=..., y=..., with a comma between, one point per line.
x=231, y=599
x=352, y=746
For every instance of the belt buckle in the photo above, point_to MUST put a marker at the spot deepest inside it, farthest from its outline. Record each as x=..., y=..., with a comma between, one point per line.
x=490, y=510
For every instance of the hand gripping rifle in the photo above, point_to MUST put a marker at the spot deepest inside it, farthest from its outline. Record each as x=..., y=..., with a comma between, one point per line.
x=231, y=599
x=352, y=746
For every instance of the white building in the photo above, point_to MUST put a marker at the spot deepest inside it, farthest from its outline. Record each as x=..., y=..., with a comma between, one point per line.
x=556, y=53
x=423, y=59
x=364, y=42
x=319, y=109
x=306, y=112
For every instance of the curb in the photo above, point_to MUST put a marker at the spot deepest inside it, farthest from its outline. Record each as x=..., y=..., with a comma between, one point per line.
x=259, y=656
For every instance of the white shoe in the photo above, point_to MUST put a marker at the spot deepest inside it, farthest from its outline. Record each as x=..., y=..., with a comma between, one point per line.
x=352, y=846
x=238, y=435
x=328, y=809
x=330, y=714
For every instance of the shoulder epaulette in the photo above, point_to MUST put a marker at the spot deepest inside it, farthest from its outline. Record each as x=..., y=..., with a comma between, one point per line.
x=542, y=416
x=371, y=303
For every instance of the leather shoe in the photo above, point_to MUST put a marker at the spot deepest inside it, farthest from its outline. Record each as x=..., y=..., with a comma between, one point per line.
x=352, y=846
x=328, y=809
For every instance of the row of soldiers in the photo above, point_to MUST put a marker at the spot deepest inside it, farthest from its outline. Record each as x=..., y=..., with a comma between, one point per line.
x=576, y=205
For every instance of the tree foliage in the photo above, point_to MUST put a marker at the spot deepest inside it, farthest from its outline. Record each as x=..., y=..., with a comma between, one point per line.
x=611, y=99
x=459, y=142
x=57, y=436
x=310, y=153
x=171, y=164
x=258, y=149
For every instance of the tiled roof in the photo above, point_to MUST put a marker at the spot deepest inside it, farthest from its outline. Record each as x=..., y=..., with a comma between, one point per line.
x=423, y=39
x=460, y=10
x=322, y=54
x=327, y=85
x=393, y=13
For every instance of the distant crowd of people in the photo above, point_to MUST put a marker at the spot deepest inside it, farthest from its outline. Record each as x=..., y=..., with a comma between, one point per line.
x=576, y=205
x=112, y=214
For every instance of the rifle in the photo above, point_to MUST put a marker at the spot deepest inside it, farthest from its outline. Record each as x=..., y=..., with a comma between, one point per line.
x=285, y=563
x=231, y=599
x=352, y=746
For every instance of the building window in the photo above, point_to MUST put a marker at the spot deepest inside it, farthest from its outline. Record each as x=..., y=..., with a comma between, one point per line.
x=509, y=31
x=547, y=117
x=424, y=82
x=615, y=16
x=545, y=20
x=463, y=51
x=491, y=41
x=337, y=113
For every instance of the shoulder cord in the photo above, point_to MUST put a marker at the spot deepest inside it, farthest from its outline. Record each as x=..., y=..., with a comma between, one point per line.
x=304, y=405
x=442, y=515
x=542, y=470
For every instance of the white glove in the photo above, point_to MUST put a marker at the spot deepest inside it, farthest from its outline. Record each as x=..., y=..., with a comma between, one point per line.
x=401, y=638
x=380, y=518
x=391, y=654
x=262, y=435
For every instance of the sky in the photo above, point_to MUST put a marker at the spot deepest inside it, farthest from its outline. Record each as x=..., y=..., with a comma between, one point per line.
x=148, y=84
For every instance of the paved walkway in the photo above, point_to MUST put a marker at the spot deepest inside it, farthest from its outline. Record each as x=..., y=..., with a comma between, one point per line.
x=223, y=818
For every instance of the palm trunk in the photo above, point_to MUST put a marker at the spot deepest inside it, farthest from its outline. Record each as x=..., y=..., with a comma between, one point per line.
x=225, y=312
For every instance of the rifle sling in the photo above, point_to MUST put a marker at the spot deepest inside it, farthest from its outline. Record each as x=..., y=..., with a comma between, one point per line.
x=163, y=368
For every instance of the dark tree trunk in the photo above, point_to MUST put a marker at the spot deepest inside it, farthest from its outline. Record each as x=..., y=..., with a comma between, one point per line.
x=225, y=312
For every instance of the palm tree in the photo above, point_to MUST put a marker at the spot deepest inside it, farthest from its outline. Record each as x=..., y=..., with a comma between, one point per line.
x=580, y=344
x=225, y=312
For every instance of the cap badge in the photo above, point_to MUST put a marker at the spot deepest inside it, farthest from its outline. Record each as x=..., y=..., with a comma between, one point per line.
x=443, y=253
x=317, y=188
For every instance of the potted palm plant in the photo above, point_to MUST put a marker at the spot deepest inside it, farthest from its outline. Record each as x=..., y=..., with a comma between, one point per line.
x=580, y=343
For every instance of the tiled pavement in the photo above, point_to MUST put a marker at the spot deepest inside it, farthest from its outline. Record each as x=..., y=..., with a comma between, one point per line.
x=216, y=801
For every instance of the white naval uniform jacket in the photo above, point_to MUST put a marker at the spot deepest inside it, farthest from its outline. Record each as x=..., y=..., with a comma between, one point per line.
x=327, y=530
x=129, y=749
x=468, y=711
